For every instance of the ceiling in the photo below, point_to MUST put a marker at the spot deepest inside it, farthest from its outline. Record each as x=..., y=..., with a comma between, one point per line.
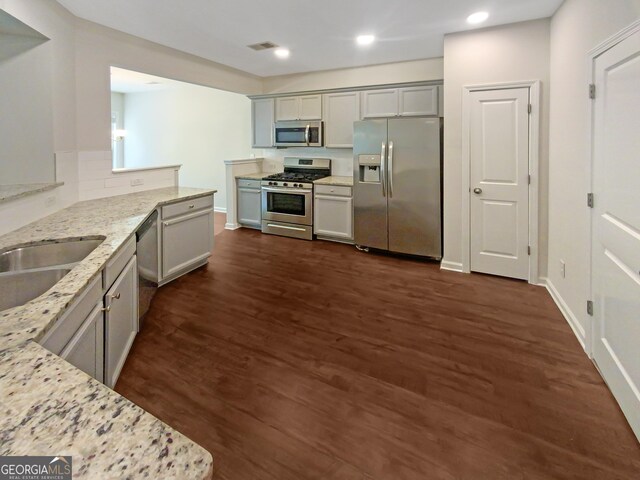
x=320, y=33
x=128, y=81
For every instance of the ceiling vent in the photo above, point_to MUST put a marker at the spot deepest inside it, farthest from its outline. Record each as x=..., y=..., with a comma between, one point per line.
x=262, y=46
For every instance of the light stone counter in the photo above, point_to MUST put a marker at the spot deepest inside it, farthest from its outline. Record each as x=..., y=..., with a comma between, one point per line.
x=11, y=192
x=254, y=176
x=49, y=407
x=335, y=180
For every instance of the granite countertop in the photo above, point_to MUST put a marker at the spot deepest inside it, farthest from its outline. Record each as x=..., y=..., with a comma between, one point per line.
x=335, y=180
x=253, y=176
x=49, y=407
x=30, y=403
x=11, y=192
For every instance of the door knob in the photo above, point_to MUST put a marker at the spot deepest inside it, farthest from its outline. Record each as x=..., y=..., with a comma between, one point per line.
x=477, y=191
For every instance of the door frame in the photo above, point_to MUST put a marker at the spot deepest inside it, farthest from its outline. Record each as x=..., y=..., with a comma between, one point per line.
x=534, y=153
x=592, y=56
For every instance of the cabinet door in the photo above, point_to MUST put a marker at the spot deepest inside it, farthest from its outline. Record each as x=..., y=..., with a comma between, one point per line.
x=380, y=103
x=333, y=217
x=262, y=115
x=287, y=108
x=186, y=241
x=121, y=321
x=86, y=349
x=250, y=207
x=310, y=107
x=417, y=101
x=340, y=111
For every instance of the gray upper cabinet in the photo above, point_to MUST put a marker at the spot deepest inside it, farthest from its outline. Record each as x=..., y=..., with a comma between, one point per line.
x=262, y=118
x=305, y=107
x=418, y=101
x=380, y=103
x=400, y=102
x=340, y=110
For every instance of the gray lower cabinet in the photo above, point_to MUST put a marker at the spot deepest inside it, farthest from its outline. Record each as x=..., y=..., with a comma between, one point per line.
x=78, y=336
x=121, y=320
x=249, y=198
x=333, y=213
x=186, y=236
x=86, y=349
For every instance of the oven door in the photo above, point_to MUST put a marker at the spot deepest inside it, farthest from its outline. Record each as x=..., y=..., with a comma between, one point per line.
x=298, y=134
x=287, y=205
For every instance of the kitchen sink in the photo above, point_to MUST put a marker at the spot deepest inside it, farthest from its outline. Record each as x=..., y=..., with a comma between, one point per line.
x=17, y=288
x=47, y=254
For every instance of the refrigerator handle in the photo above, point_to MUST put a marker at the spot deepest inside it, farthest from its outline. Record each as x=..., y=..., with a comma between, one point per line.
x=383, y=168
x=390, y=173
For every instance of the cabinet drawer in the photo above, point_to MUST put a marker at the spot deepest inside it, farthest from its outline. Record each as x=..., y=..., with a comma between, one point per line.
x=67, y=326
x=333, y=190
x=248, y=183
x=117, y=263
x=188, y=206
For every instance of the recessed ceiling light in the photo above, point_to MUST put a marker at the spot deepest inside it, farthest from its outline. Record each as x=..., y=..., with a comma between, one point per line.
x=365, y=39
x=282, y=52
x=477, y=17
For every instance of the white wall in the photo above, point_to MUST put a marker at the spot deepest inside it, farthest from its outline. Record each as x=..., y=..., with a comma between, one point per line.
x=400, y=72
x=26, y=104
x=577, y=27
x=508, y=53
x=117, y=108
x=81, y=54
x=194, y=126
x=98, y=48
x=56, y=23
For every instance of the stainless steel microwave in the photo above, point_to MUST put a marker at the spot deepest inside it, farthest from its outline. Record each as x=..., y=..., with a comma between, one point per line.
x=299, y=134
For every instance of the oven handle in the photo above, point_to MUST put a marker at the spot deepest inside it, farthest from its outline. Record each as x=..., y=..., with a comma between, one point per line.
x=285, y=190
x=306, y=134
x=284, y=227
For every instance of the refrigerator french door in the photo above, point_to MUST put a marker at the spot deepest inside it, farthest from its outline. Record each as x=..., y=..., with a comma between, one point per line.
x=397, y=198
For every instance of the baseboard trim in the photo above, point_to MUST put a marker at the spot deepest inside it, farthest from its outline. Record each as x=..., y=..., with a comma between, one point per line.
x=451, y=266
x=572, y=320
x=231, y=226
x=220, y=209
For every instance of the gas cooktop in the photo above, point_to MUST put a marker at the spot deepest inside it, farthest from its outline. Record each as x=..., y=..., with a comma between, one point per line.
x=296, y=176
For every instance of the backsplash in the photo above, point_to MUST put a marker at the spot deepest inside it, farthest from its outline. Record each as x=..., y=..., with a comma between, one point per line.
x=341, y=158
x=97, y=179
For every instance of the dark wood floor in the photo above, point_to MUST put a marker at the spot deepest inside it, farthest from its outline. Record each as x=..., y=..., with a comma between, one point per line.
x=295, y=360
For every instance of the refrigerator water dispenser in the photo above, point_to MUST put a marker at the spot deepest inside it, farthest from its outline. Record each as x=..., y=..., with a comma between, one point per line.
x=369, y=168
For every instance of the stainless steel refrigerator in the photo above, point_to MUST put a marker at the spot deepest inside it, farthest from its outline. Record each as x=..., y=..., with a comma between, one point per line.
x=397, y=182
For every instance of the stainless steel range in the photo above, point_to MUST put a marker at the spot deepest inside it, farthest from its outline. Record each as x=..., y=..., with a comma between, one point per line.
x=287, y=198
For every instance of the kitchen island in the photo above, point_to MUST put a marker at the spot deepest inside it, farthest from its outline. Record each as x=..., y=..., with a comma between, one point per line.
x=52, y=408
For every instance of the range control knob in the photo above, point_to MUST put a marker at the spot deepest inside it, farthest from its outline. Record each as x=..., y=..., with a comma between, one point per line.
x=285, y=184
x=296, y=185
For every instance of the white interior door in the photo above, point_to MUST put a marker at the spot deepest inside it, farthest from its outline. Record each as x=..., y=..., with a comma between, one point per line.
x=499, y=170
x=616, y=224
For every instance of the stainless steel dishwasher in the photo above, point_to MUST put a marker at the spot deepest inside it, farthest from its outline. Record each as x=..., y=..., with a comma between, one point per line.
x=147, y=252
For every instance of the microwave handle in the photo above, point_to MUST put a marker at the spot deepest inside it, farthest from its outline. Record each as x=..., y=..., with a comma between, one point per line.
x=306, y=134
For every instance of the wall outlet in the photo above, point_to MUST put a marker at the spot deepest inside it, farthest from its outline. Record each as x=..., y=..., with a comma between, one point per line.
x=137, y=181
x=50, y=201
x=562, y=269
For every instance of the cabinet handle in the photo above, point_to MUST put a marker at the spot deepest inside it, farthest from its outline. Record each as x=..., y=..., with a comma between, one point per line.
x=106, y=309
x=191, y=206
x=116, y=296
